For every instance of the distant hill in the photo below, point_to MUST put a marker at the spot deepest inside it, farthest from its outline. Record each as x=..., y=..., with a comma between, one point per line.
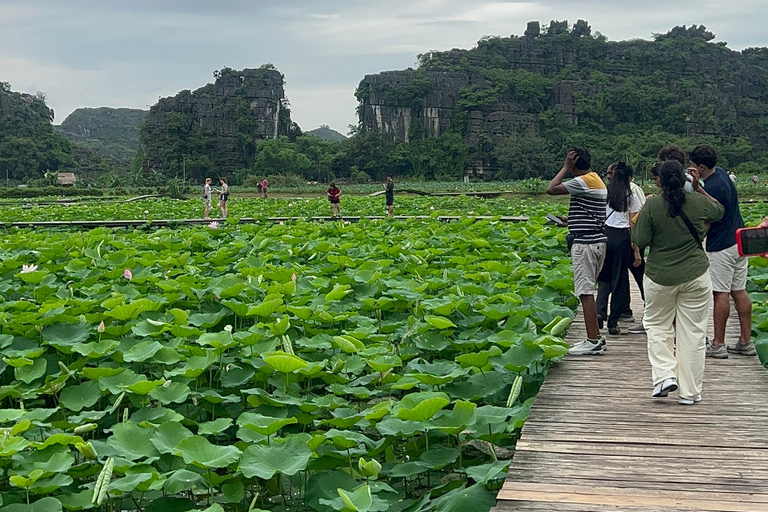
x=111, y=132
x=325, y=132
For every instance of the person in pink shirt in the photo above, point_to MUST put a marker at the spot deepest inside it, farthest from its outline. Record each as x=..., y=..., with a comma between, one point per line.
x=264, y=186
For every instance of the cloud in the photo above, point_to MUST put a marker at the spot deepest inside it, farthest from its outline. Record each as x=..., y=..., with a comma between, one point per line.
x=127, y=53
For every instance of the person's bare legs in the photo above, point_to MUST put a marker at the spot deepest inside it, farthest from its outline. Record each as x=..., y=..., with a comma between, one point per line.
x=391, y=209
x=722, y=311
x=744, y=309
x=590, y=316
x=207, y=211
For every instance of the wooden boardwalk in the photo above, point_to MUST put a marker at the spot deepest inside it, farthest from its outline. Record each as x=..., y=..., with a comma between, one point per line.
x=244, y=220
x=595, y=441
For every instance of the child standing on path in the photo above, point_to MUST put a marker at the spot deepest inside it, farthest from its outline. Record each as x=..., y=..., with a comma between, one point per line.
x=333, y=196
x=389, y=188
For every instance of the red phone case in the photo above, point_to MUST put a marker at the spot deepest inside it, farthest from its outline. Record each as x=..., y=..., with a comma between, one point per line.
x=740, y=246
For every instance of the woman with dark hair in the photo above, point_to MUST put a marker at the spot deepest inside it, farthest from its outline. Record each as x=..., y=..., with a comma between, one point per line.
x=223, y=197
x=333, y=196
x=678, y=289
x=620, y=254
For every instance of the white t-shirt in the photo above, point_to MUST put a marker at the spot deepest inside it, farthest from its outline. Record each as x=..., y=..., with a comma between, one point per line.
x=638, y=192
x=614, y=219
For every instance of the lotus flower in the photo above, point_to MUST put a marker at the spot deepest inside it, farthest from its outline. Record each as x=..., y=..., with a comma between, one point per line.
x=281, y=223
x=293, y=277
x=101, y=328
x=27, y=269
x=214, y=225
x=127, y=274
x=290, y=204
x=432, y=208
x=146, y=212
x=228, y=328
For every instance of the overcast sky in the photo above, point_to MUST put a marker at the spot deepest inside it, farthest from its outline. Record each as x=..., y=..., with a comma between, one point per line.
x=128, y=53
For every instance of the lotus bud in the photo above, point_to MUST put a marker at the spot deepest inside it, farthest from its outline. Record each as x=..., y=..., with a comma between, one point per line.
x=228, y=328
x=127, y=274
x=370, y=468
x=101, y=328
x=87, y=450
x=167, y=383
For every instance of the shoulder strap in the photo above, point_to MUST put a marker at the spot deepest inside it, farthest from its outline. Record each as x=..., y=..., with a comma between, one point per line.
x=690, y=227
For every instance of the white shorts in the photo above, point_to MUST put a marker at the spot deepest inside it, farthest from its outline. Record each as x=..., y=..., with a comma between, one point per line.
x=587, y=261
x=728, y=270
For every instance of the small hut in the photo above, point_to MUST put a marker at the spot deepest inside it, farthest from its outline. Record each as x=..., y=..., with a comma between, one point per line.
x=67, y=179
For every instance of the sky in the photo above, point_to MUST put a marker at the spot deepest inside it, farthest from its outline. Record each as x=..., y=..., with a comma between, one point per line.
x=129, y=53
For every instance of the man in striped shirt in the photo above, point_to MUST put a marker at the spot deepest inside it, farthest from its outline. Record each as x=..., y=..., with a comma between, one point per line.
x=586, y=220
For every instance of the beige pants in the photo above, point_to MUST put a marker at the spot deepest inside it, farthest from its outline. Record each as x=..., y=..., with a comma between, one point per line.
x=675, y=320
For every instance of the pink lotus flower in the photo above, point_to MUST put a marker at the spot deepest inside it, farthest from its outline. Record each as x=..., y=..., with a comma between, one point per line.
x=214, y=225
x=293, y=277
x=127, y=274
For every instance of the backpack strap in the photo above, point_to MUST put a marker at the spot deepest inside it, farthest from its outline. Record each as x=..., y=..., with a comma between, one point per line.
x=690, y=227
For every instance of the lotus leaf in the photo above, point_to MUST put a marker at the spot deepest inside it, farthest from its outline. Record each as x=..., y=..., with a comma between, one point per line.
x=199, y=451
x=265, y=461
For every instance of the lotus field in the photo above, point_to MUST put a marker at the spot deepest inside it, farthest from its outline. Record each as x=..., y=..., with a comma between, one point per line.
x=374, y=366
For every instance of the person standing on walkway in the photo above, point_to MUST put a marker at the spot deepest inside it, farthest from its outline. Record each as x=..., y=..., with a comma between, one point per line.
x=223, y=197
x=678, y=288
x=727, y=268
x=264, y=186
x=586, y=219
x=207, y=198
x=389, y=193
x=333, y=196
x=620, y=254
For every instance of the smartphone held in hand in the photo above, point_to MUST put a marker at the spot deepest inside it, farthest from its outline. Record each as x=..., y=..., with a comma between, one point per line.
x=752, y=241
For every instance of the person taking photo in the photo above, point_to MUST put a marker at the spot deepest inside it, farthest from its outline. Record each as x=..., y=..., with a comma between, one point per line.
x=586, y=218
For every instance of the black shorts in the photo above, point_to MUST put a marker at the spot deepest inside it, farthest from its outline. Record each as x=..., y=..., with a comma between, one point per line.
x=390, y=202
x=334, y=201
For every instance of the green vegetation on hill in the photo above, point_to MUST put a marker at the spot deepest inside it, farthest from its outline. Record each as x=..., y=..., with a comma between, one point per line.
x=518, y=103
x=111, y=132
x=325, y=132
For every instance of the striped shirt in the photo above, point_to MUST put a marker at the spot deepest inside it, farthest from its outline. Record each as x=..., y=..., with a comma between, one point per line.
x=586, y=214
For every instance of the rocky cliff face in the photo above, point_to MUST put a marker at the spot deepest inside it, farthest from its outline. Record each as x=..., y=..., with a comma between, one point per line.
x=681, y=81
x=111, y=132
x=217, y=126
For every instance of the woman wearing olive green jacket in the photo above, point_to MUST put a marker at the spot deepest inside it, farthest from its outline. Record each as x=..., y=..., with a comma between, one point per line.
x=678, y=290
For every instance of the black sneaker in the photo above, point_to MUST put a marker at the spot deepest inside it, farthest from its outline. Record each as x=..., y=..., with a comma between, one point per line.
x=600, y=321
x=614, y=330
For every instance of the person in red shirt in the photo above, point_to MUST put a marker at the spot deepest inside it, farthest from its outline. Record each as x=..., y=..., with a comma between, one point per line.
x=333, y=196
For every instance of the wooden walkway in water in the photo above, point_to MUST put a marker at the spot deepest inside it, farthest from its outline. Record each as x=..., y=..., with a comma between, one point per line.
x=595, y=441
x=245, y=220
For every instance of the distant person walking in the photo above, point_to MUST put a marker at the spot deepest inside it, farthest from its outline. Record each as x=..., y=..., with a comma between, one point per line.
x=727, y=269
x=755, y=179
x=586, y=219
x=389, y=193
x=264, y=186
x=678, y=288
x=259, y=188
x=732, y=177
x=223, y=197
x=620, y=254
x=207, y=197
x=333, y=196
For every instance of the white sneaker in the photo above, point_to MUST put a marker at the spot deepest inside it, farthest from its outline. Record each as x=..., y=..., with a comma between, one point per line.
x=689, y=401
x=663, y=388
x=587, y=348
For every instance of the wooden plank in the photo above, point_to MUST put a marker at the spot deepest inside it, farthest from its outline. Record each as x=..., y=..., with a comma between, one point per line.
x=596, y=441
